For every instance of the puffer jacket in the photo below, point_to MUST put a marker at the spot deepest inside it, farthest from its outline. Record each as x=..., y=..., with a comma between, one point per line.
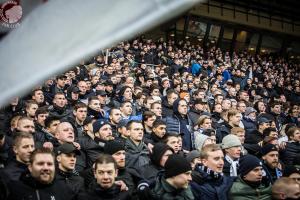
x=249, y=125
x=242, y=191
x=208, y=186
x=181, y=125
x=167, y=109
x=291, y=151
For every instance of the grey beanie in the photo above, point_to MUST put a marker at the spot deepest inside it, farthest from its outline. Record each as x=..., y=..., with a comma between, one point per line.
x=199, y=141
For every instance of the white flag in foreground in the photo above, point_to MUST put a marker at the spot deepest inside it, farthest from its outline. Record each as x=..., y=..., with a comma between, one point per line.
x=57, y=34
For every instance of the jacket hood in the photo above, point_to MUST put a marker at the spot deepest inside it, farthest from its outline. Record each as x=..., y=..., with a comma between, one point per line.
x=158, y=151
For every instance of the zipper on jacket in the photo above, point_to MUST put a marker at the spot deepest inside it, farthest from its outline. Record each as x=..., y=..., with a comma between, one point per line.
x=37, y=194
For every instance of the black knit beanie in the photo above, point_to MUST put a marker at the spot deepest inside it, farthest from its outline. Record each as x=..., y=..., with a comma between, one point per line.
x=112, y=147
x=248, y=163
x=158, y=151
x=176, y=165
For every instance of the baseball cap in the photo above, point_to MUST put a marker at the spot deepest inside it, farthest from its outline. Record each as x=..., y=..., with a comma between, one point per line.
x=75, y=90
x=101, y=92
x=263, y=120
x=67, y=148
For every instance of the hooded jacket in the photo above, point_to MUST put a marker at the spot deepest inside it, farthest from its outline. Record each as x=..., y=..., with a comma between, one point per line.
x=151, y=170
x=181, y=125
x=167, y=109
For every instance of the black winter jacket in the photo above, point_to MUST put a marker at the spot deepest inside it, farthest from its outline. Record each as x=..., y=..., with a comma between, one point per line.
x=291, y=151
x=30, y=189
x=96, y=192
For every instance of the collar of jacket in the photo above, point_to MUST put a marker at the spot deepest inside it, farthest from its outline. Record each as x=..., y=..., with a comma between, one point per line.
x=107, y=193
x=66, y=174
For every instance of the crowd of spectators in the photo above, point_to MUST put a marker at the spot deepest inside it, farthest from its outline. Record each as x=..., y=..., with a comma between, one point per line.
x=157, y=120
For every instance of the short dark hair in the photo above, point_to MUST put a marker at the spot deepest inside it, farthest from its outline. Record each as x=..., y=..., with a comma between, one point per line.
x=158, y=122
x=49, y=120
x=129, y=124
x=267, y=131
x=41, y=110
x=105, y=159
x=79, y=105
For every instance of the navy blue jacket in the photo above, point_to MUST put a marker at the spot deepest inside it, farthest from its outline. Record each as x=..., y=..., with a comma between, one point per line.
x=181, y=125
x=209, y=187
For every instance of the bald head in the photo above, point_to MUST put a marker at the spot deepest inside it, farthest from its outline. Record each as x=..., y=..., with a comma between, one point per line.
x=64, y=132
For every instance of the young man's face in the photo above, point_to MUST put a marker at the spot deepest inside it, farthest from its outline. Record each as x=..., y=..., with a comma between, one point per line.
x=214, y=161
x=52, y=127
x=206, y=124
x=24, y=149
x=95, y=105
x=296, y=136
x=119, y=157
x=182, y=107
x=173, y=143
x=38, y=96
x=26, y=126
x=115, y=116
x=136, y=132
x=172, y=98
x=43, y=168
x=31, y=110
x=60, y=100
x=182, y=181
x=160, y=130
x=149, y=121
x=157, y=109
x=241, y=136
x=66, y=162
x=126, y=109
x=105, y=175
x=80, y=114
x=254, y=175
x=41, y=118
x=235, y=119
